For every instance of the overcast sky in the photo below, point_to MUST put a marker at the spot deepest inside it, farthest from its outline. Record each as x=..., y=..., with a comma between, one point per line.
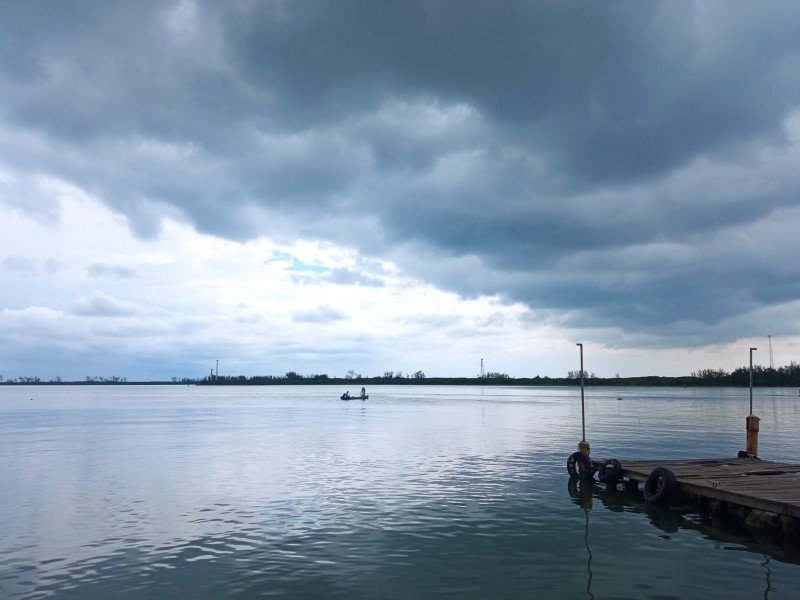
x=400, y=185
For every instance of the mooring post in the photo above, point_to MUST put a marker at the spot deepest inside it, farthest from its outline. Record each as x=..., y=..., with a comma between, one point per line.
x=751, y=422
x=583, y=447
x=751, y=445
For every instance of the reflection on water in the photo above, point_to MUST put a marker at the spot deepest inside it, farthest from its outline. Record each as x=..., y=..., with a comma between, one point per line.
x=728, y=535
x=589, y=559
x=419, y=492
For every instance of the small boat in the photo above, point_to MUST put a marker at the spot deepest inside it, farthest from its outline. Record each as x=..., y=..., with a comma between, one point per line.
x=346, y=397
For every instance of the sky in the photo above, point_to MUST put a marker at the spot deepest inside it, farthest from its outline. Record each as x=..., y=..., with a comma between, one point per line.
x=405, y=185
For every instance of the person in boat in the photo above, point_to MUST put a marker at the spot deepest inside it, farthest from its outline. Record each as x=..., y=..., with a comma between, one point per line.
x=347, y=394
x=363, y=392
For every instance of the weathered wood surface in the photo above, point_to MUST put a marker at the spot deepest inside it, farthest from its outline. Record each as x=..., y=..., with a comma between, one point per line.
x=761, y=484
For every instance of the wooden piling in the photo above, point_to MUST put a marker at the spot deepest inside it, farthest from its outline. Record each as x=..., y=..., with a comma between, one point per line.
x=751, y=423
x=583, y=447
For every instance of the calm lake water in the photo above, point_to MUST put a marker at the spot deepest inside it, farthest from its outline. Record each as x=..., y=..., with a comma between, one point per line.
x=418, y=492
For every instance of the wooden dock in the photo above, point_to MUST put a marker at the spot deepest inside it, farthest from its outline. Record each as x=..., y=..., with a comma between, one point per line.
x=754, y=484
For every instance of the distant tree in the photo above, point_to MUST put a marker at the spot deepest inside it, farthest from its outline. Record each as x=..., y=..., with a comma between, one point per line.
x=711, y=374
x=350, y=374
x=492, y=375
x=419, y=375
x=577, y=374
x=388, y=374
x=293, y=376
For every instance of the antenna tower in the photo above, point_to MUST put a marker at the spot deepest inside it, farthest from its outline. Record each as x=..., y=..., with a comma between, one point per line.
x=482, y=375
x=217, y=374
x=771, y=362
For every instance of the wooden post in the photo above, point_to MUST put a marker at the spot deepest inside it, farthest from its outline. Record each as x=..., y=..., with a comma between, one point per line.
x=751, y=446
x=583, y=447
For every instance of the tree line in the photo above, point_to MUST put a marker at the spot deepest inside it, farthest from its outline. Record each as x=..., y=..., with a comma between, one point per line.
x=786, y=376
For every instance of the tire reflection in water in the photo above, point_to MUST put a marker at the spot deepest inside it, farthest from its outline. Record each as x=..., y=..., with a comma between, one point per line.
x=583, y=492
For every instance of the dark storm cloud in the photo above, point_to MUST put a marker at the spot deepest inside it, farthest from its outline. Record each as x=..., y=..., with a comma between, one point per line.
x=628, y=164
x=612, y=91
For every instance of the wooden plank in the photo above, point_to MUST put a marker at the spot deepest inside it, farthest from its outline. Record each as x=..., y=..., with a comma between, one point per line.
x=760, y=484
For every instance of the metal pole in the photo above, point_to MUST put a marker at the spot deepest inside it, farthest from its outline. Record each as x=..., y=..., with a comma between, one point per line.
x=583, y=413
x=751, y=379
x=771, y=362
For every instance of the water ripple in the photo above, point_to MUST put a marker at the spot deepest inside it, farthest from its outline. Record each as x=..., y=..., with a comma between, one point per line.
x=465, y=495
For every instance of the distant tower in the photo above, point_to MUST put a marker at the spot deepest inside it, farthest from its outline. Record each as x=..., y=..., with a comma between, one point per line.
x=771, y=362
x=216, y=375
x=482, y=375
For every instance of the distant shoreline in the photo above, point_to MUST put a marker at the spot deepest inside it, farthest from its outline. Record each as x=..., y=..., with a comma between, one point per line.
x=647, y=381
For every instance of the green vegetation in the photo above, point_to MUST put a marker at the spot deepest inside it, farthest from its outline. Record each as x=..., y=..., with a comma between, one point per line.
x=786, y=376
x=493, y=379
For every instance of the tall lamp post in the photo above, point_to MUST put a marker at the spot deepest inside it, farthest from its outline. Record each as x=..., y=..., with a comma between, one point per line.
x=751, y=379
x=583, y=412
x=751, y=422
x=583, y=446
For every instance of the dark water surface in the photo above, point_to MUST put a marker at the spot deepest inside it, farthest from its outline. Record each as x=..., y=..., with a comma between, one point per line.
x=419, y=492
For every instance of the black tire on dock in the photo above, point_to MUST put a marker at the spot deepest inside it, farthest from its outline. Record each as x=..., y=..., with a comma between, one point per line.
x=660, y=486
x=743, y=454
x=579, y=466
x=610, y=471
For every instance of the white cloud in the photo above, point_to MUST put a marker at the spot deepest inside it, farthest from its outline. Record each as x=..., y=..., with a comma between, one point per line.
x=201, y=298
x=319, y=314
x=100, y=304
